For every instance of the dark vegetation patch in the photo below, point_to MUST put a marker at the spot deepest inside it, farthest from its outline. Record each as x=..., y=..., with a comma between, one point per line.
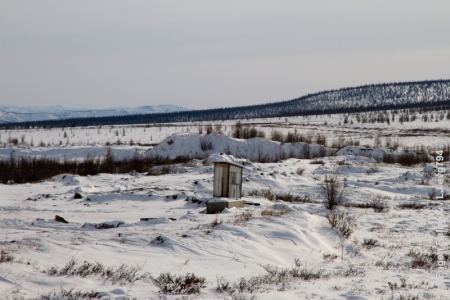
x=272, y=196
x=35, y=169
x=423, y=260
x=179, y=285
x=122, y=273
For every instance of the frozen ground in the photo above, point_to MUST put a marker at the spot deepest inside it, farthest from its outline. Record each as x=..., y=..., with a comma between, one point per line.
x=179, y=238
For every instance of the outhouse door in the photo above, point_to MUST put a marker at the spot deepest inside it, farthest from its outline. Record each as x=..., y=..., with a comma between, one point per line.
x=218, y=181
x=236, y=185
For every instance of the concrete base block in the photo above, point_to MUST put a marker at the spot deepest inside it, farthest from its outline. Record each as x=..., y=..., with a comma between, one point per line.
x=217, y=205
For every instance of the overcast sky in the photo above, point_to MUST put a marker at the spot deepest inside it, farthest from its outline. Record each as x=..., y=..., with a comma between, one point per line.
x=205, y=54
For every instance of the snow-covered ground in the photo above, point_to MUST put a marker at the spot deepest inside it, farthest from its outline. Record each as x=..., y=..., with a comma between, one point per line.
x=432, y=134
x=180, y=238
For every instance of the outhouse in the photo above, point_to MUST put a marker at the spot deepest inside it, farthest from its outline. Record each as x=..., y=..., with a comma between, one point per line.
x=227, y=180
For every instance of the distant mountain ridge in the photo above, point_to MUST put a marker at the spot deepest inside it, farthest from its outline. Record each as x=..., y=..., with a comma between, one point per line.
x=13, y=114
x=399, y=95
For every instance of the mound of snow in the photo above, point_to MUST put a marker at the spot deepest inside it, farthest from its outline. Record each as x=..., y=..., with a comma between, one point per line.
x=69, y=179
x=255, y=149
x=429, y=169
x=220, y=157
x=282, y=206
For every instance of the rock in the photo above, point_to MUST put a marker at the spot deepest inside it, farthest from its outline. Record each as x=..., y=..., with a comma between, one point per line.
x=159, y=240
x=60, y=219
x=77, y=196
x=147, y=219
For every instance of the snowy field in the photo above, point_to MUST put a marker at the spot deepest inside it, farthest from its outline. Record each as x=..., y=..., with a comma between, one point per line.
x=432, y=133
x=274, y=250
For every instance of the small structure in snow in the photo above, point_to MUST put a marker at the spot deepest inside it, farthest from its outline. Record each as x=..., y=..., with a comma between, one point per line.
x=227, y=184
x=227, y=180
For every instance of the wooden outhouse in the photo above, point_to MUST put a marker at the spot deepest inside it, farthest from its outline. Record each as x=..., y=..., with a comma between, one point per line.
x=227, y=180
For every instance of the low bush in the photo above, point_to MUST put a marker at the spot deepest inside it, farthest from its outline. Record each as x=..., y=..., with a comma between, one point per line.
x=370, y=243
x=412, y=206
x=162, y=170
x=350, y=270
x=421, y=260
x=179, y=285
x=300, y=170
x=387, y=265
x=206, y=143
x=35, y=169
x=317, y=162
x=272, y=196
x=115, y=274
x=216, y=222
x=406, y=158
x=6, y=257
x=277, y=136
x=70, y=294
x=341, y=220
x=273, y=212
x=332, y=191
x=282, y=277
x=329, y=256
x=241, y=131
x=224, y=286
x=376, y=205
x=242, y=217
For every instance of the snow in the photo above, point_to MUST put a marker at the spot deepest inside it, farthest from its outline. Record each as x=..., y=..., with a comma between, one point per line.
x=176, y=235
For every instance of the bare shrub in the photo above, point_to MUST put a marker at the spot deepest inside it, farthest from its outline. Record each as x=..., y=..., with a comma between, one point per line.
x=332, y=191
x=300, y=170
x=427, y=175
x=294, y=137
x=370, y=243
x=242, y=217
x=216, y=222
x=272, y=196
x=265, y=193
x=432, y=194
x=273, y=212
x=411, y=206
x=350, y=270
x=6, y=257
x=317, y=162
x=407, y=158
x=179, y=285
x=329, y=256
x=224, y=285
x=341, y=220
x=115, y=274
x=387, y=265
x=162, y=170
x=209, y=128
x=365, y=206
x=379, y=205
x=206, y=143
x=277, y=135
x=278, y=276
x=422, y=260
x=70, y=294
x=321, y=139
x=241, y=131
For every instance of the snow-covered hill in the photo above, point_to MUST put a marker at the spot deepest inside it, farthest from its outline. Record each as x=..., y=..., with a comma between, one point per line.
x=10, y=113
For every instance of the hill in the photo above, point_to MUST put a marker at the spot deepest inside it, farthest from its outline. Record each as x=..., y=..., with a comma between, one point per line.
x=419, y=94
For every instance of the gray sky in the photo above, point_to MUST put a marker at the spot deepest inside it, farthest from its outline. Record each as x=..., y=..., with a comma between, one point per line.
x=205, y=54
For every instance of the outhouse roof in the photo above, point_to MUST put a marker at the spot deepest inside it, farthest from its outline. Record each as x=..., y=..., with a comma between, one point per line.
x=229, y=163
